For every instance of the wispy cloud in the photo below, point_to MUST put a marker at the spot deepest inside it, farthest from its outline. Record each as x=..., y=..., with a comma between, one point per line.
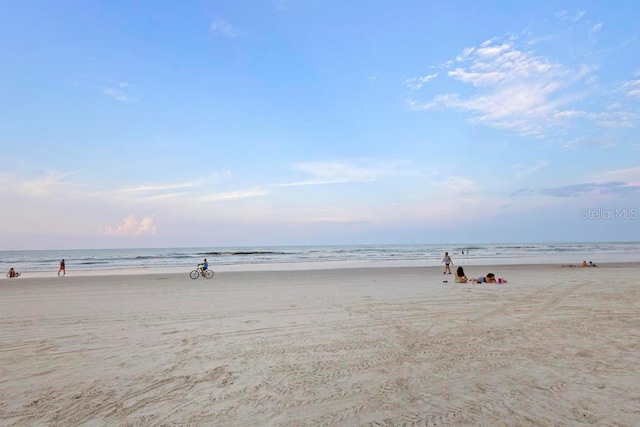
x=324, y=173
x=46, y=185
x=341, y=173
x=629, y=175
x=572, y=16
x=632, y=88
x=504, y=83
x=515, y=89
x=119, y=91
x=455, y=184
x=415, y=83
x=619, y=182
x=224, y=28
x=523, y=169
x=59, y=185
x=592, y=188
x=595, y=29
x=233, y=195
x=162, y=187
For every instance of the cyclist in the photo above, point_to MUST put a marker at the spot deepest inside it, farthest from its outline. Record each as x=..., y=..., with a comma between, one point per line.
x=203, y=267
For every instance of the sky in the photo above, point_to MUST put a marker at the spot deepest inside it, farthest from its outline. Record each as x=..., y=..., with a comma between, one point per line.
x=147, y=123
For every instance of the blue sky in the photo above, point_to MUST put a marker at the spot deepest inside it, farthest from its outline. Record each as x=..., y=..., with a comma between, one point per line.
x=275, y=122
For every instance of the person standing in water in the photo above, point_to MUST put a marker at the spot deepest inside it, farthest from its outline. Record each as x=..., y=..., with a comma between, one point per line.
x=447, y=261
x=62, y=268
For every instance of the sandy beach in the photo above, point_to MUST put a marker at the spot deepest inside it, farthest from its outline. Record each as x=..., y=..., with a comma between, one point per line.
x=338, y=347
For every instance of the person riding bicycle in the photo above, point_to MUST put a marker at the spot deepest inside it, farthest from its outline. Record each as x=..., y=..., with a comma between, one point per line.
x=203, y=267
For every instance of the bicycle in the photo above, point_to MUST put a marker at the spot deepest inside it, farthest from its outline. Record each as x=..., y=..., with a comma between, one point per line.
x=207, y=274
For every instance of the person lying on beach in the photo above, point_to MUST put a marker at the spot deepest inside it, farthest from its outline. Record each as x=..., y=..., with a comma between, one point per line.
x=12, y=273
x=459, y=276
x=489, y=278
x=584, y=264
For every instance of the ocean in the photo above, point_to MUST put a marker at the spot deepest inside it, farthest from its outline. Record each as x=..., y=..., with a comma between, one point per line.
x=427, y=255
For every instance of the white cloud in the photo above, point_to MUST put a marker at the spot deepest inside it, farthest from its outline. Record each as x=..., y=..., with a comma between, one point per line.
x=115, y=94
x=630, y=176
x=418, y=82
x=528, y=169
x=130, y=226
x=333, y=173
x=226, y=29
x=505, y=86
x=120, y=91
x=455, y=184
x=515, y=87
x=596, y=28
x=45, y=185
x=233, y=195
x=487, y=50
x=632, y=88
x=574, y=16
x=341, y=173
x=141, y=189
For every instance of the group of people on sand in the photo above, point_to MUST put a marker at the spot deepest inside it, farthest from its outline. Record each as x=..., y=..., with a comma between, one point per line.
x=12, y=273
x=460, y=277
x=584, y=264
x=62, y=271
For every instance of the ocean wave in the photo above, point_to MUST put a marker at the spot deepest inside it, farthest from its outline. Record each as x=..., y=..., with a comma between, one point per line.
x=42, y=260
x=236, y=253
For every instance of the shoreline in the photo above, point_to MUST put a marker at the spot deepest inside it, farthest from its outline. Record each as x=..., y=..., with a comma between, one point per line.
x=306, y=266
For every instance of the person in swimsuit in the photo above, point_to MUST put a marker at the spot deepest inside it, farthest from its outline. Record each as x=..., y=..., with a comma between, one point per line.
x=489, y=278
x=62, y=268
x=460, y=276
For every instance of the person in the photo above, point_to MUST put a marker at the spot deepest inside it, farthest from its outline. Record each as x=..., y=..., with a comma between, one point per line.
x=12, y=273
x=447, y=260
x=62, y=268
x=489, y=278
x=203, y=266
x=460, y=276
x=584, y=264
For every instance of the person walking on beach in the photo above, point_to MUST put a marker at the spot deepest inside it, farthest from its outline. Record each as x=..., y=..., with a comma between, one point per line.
x=447, y=260
x=62, y=269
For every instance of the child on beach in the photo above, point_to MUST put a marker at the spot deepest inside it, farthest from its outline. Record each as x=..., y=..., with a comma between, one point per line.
x=459, y=276
x=447, y=260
